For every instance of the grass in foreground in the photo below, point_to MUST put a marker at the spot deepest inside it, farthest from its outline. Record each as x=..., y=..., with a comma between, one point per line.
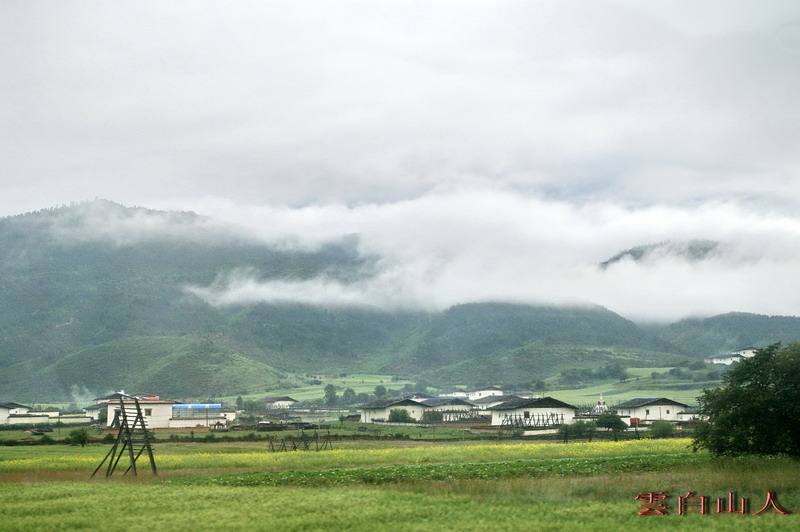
x=549, y=487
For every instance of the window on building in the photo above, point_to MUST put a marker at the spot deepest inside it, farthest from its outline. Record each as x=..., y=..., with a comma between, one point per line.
x=647, y=412
x=148, y=411
x=667, y=411
x=527, y=414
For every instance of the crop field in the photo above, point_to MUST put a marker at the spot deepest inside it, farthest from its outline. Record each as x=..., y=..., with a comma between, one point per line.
x=454, y=486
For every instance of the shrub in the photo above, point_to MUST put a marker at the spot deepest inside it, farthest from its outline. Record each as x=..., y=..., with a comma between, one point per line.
x=662, y=429
x=78, y=437
x=400, y=415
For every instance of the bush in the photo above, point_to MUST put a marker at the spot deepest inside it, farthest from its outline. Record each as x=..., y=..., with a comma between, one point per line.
x=662, y=429
x=400, y=415
x=431, y=416
x=78, y=437
x=579, y=429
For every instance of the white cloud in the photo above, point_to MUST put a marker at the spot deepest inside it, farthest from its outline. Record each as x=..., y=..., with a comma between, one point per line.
x=479, y=244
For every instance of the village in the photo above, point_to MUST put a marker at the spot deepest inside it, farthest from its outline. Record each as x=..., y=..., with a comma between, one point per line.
x=477, y=410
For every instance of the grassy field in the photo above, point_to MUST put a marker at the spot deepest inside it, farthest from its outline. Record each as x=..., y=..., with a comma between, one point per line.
x=399, y=486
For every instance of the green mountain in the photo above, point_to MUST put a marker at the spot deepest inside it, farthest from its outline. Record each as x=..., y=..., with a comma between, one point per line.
x=485, y=331
x=730, y=332
x=94, y=296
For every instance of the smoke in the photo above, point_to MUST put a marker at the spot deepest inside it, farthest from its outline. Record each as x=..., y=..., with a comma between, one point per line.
x=81, y=395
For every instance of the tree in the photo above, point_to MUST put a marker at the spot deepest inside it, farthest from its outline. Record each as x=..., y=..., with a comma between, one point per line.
x=239, y=403
x=755, y=412
x=380, y=391
x=330, y=395
x=611, y=422
x=362, y=397
x=349, y=396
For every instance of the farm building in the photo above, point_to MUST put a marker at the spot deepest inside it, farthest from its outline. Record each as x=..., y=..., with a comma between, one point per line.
x=157, y=412
x=279, y=403
x=541, y=412
x=484, y=391
x=486, y=403
x=200, y=415
x=15, y=413
x=381, y=409
x=653, y=409
x=730, y=358
x=93, y=411
x=448, y=407
x=723, y=359
x=162, y=414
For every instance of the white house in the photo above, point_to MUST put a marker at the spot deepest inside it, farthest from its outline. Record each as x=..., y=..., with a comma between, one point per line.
x=485, y=391
x=279, y=403
x=381, y=409
x=652, y=409
x=162, y=414
x=730, y=358
x=157, y=413
x=15, y=413
x=723, y=359
x=541, y=412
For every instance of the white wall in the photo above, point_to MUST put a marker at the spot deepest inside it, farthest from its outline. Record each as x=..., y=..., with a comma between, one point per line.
x=371, y=414
x=653, y=412
x=156, y=415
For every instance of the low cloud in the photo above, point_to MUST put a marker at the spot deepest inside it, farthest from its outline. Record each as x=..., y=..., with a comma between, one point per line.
x=478, y=244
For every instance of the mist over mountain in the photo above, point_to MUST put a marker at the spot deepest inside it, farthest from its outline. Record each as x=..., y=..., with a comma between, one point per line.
x=101, y=296
x=691, y=251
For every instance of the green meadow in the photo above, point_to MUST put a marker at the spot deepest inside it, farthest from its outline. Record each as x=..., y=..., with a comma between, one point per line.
x=397, y=486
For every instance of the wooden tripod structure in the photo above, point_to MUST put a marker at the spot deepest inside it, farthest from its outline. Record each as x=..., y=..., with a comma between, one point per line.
x=132, y=433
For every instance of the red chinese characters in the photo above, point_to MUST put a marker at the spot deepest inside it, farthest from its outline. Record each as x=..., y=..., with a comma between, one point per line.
x=653, y=503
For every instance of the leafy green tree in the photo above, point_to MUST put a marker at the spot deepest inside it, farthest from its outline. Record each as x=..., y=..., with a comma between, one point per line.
x=756, y=411
x=362, y=397
x=349, y=396
x=380, y=391
x=239, y=403
x=611, y=422
x=330, y=395
x=662, y=429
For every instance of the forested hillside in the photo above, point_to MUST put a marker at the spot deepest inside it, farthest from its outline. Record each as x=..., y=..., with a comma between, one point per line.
x=730, y=332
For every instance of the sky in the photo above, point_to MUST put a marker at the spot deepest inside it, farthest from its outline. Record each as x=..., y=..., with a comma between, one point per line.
x=484, y=150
